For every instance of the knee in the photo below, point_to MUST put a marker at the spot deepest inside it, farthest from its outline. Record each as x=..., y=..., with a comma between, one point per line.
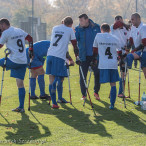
x=113, y=84
x=60, y=80
x=51, y=79
x=144, y=71
x=33, y=73
x=20, y=83
x=41, y=71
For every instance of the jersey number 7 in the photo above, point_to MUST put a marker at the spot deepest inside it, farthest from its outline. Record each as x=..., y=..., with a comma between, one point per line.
x=59, y=36
x=108, y=52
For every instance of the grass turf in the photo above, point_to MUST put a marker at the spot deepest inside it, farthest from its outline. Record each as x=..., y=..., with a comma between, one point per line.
x=72, y=124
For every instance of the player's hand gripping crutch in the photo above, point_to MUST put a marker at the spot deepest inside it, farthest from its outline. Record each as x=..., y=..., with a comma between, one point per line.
x=7, y=52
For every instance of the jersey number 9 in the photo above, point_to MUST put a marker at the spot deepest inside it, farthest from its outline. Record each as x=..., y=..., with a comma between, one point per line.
x=20, y=44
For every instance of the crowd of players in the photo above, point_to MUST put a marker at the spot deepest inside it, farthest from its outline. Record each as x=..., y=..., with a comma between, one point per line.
x=98, y=47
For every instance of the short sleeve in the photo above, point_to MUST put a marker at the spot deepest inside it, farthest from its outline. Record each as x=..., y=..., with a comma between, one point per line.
x=25, y=34
x=95, y=44
x=118, y=44
x=73, y=37
x=143, y=32
x=4, y=38
x=112, y=30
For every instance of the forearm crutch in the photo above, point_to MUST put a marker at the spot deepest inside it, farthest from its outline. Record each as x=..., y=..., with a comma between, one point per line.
x=29, y=84
x=87, y=89
x=7, y=52
x=88, y=82
x=68, y=73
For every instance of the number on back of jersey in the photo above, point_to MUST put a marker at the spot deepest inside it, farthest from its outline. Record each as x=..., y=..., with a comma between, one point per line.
x=58, y=36
x=108, y=52
x=20, y=45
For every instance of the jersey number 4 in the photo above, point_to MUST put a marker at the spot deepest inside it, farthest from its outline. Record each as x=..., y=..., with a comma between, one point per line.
x=58, y=36
x=108, y=52
x=20, y=44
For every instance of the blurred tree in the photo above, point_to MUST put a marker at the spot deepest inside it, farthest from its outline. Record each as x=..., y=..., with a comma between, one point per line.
x=52, y=14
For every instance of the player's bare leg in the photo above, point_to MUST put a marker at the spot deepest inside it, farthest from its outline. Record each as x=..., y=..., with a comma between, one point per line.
x=144, y=71
x=36, y=72
x=136, y=57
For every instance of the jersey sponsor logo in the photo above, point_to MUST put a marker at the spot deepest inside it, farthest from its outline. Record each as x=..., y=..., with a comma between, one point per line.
x=16, y=37
x=109, y=44
x=60, y=32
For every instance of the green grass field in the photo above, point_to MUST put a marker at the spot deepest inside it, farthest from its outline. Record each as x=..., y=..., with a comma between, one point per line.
x=72, y=125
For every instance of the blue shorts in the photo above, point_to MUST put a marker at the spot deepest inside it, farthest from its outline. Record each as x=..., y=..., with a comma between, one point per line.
x=56, y=66
x=17, y=70
x=109, y=75
x=38, y=61
x=143, y=59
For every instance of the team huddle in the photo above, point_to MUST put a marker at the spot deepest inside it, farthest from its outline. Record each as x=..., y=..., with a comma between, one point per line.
x=100, y=48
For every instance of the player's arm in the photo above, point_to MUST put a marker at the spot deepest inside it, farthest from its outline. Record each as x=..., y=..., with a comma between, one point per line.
x=130, y=43
x=68, y=56
x=76, y=51
x=3, y=39
x=95, y=52
x=119, y=50
x=140, y=47
x=120, y=24
x=30, y=41
x=70, y=59
x=1, y=45
x=95, y=47
x=143, y=40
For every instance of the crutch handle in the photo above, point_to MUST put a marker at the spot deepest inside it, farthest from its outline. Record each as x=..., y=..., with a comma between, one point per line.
x=7, y=51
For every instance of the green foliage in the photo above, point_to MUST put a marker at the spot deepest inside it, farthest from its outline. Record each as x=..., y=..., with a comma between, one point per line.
x=20, y=16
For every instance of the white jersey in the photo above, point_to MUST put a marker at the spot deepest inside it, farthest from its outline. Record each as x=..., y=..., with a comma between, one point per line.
x=137, y=34
x=123, y=36
x=107, y=45
x=61, y=36
x=15, y=41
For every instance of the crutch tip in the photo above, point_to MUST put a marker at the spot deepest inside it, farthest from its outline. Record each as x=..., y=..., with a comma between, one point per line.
x=28, y=109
